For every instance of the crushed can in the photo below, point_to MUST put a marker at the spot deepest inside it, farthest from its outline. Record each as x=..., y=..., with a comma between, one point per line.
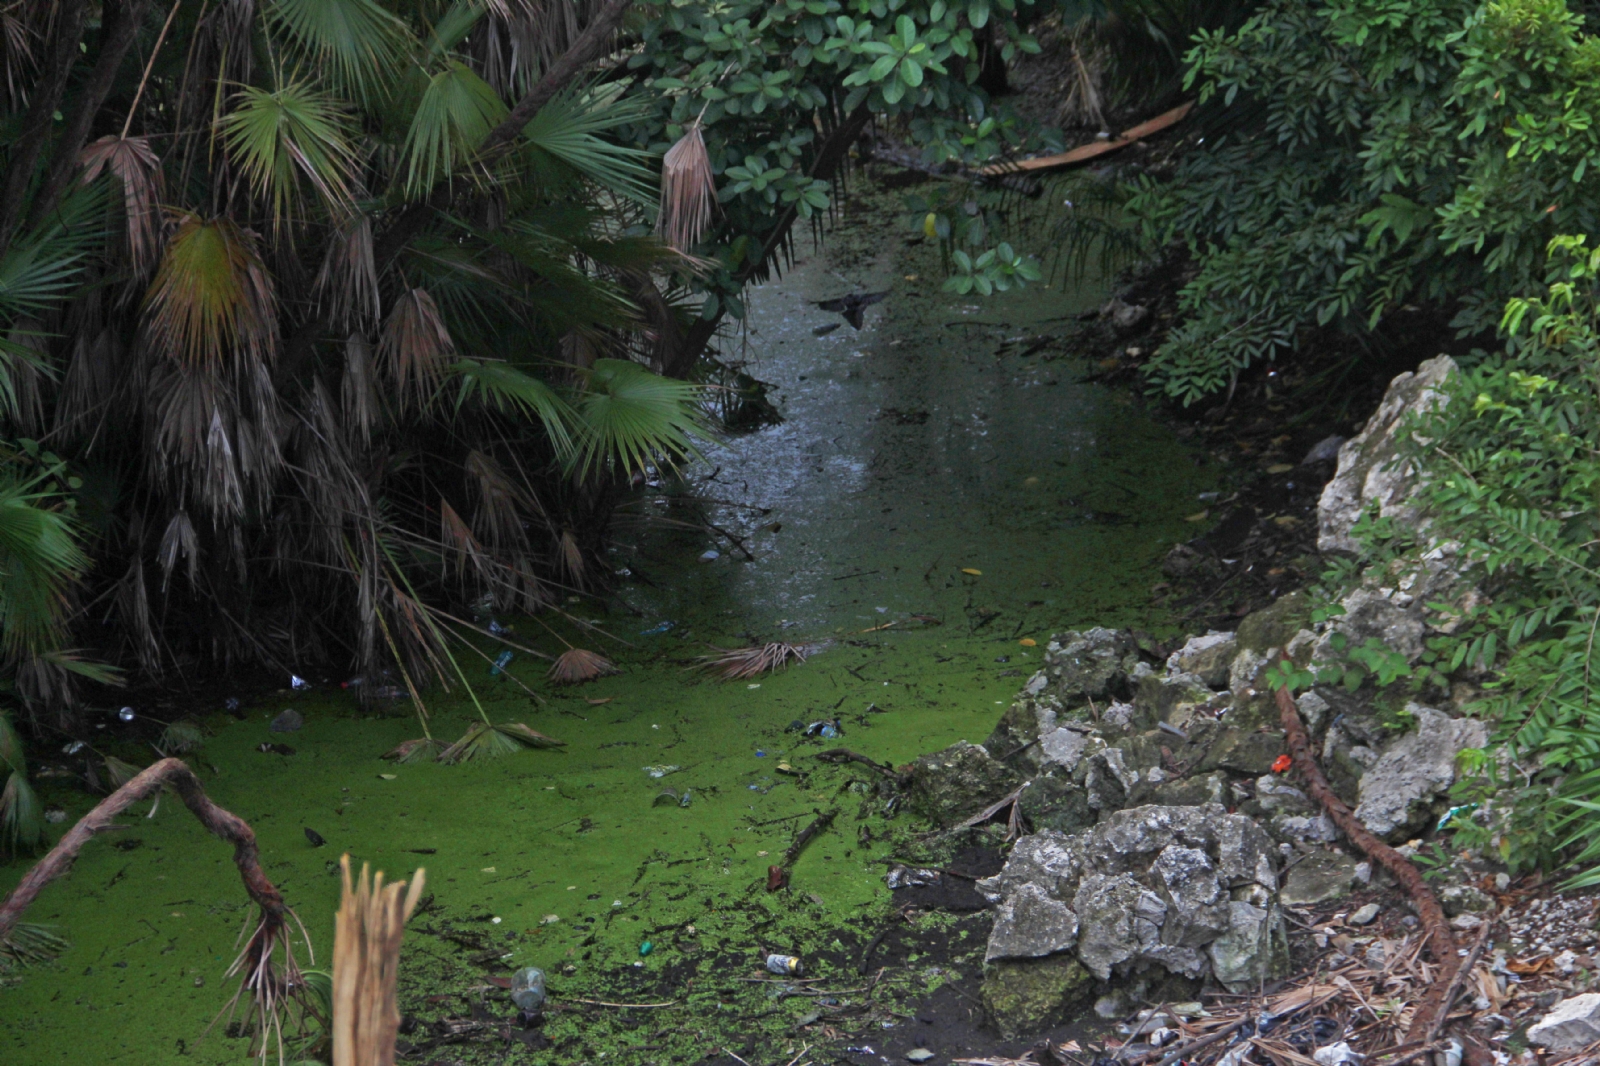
x=784, y=965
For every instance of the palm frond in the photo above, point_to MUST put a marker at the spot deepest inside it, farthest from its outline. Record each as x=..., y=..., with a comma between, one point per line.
x=40, y=558
x=507, y=389
x=27, y=944
x=21, y=816
x=212, y=298
x=279, y=137
x=347, y=282
x=11, y=753
x=569, y=129
x=632, y=418
x=688, y=191
x=575, y=666
x=481, y=741
x=40, y=268
x=452, y=28
x=134, y=165
x=737, y=664
x=456, y=111
x=357, y=42
x=422, y=749
x=415, y=347
x=118, y=772
x=181, y=736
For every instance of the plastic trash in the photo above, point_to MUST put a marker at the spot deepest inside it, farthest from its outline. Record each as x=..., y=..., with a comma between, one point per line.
x=126, y=714
x=661, y=771
x=760, y=754
x=646, y=948
x=1340, y=1054
x=919, y=1055
x=659, y=627
x=825, y=727
x=231, y=703
x=683, y=800
x=1324, y=1029
x=354, y=682
x=72, y=747
x=500, y=662
x=785, y=965
x=289, y=721
x=497, y=629
x=299, y=684
x=527, y=989
x=710, y=555
x=666, y=798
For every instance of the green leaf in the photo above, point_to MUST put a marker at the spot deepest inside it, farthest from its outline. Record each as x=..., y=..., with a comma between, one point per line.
x=630, y=418
x=507, y=389
x=456, y=112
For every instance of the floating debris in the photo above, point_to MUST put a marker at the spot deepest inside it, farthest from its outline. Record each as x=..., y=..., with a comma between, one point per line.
x=527, y=988
x=299, y=684
x=575, y=666
x=269, y=748
x=126, y=714
x=737, y=664
x=659, y=627
x=661, y=771
x=501, y=661
x=785, y=965
x=315, y=837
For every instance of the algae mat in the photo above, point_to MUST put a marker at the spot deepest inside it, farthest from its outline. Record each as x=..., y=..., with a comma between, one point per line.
x=930, y=465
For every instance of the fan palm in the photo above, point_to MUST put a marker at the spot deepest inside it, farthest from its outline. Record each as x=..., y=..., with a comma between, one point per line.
x=347, y=318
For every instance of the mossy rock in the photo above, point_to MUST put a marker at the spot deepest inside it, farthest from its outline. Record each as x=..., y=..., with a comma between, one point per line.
x=952, y=784
x=1192, y=791
x=1243, y=752
x=1275, y=626
x=1024, y=997
x=1056, y=803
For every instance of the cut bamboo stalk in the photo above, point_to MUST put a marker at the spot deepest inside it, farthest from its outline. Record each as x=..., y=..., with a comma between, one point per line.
x=366, y=966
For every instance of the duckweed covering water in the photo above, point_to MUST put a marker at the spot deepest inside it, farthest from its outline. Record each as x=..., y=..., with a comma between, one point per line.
x=926, y=467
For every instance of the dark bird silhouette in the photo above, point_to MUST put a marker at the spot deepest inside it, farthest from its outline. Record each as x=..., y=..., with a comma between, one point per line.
x=315, y=837
x=851, y=304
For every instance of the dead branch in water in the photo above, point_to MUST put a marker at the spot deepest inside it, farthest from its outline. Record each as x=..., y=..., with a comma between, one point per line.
x=269, y=984
x=1441, y=942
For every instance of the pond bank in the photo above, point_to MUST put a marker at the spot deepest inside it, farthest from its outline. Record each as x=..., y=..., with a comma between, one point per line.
x=945, y=490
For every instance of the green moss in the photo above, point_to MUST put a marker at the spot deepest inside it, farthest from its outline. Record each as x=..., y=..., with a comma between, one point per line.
x=1024, y=996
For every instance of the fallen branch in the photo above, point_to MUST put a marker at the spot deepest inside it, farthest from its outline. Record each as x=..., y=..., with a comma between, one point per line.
x=268, y=986
x=818, y=824
x=1454, y=987
x=1441, y=942
x=840, y=755
x=604, y=1003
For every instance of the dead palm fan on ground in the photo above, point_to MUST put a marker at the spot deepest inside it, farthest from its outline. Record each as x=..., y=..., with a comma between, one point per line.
x=489, y=739
x=575, y=666
x=737, y=663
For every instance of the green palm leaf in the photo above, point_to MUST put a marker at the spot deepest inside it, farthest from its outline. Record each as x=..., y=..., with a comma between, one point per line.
x=568, y=129
x=39, y=269
x=631, y=418
x=21, y=817
x=295, y=131
x=456, y=111
x=39, y=559
x=505, y=388
x=359, y=44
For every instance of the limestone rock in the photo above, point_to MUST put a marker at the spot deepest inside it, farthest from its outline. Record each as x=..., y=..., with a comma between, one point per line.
x=1369, y=466
x=1176, y=699
x=1026, y=996
x=1015, y=736
x=1369, y=615
x=1572, y=1026
x=1051, y=802
x=1029, y=924
x=1415, y=768
x=1460, y=899
x=1255, y=945
x=1090, y=664
x=1318, y=878
x=1148, y=885
x=958, y=781
x=1275, y=625
x=1207, y=657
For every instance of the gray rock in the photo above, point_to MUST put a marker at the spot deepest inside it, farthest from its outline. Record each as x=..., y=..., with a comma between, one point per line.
x=1365, y=915
x=1415, y=768
x=949, y=785
x=1207, y=657
x=1368, y=615
x=1275, y=625
x=1318, y=878
x=1572, y=1026
x=289, y=721
x=1255, y=945
x=1369, y=467
x=919, y=1055
x=1029, y=925
x=1460, y=899
x=1087, y=665
x=1026, y=996
x=1147, y=885
x=1124, y=316
x=1324, y=451
x=1051, y=802
x=1066, y=747
x=1313, y=708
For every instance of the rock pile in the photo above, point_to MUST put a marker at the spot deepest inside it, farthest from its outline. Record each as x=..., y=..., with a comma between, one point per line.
x=1159, y=820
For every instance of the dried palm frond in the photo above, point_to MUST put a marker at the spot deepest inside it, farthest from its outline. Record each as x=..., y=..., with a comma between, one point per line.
x=27, y=944
x=737, y=663
x=181, y=736
x=366, y=965
x=458, y=541
x=575, y=666
x=348, y=278
x=119, y=773
x=136, y=168
x=179, y=538
x=21, y=816
x=498, y=518
x=421, y=749
x=491, y=740
x=415, y=347
x=688, y=190
x=358, y=397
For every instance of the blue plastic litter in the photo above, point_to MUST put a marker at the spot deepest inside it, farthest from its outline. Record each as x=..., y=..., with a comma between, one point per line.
x=760, y=754
x=500, y=662
x=659, y=627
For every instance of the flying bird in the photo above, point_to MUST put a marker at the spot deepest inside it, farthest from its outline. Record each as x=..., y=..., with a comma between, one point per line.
x=851, y=304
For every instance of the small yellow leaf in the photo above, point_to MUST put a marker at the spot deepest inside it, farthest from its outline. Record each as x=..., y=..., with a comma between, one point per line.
x=930, y=226
x=1280, y=468
x=1286, y=520
x=388, y=777
x=911, y=277
x=1201, y=517
x=970, y=570
x=488, y=870
x=1028, y=642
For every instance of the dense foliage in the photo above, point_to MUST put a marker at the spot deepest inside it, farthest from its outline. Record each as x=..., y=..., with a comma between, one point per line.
x=1366, y=156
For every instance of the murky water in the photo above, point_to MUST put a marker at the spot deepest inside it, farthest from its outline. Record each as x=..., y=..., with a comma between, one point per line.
x=929, y=465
